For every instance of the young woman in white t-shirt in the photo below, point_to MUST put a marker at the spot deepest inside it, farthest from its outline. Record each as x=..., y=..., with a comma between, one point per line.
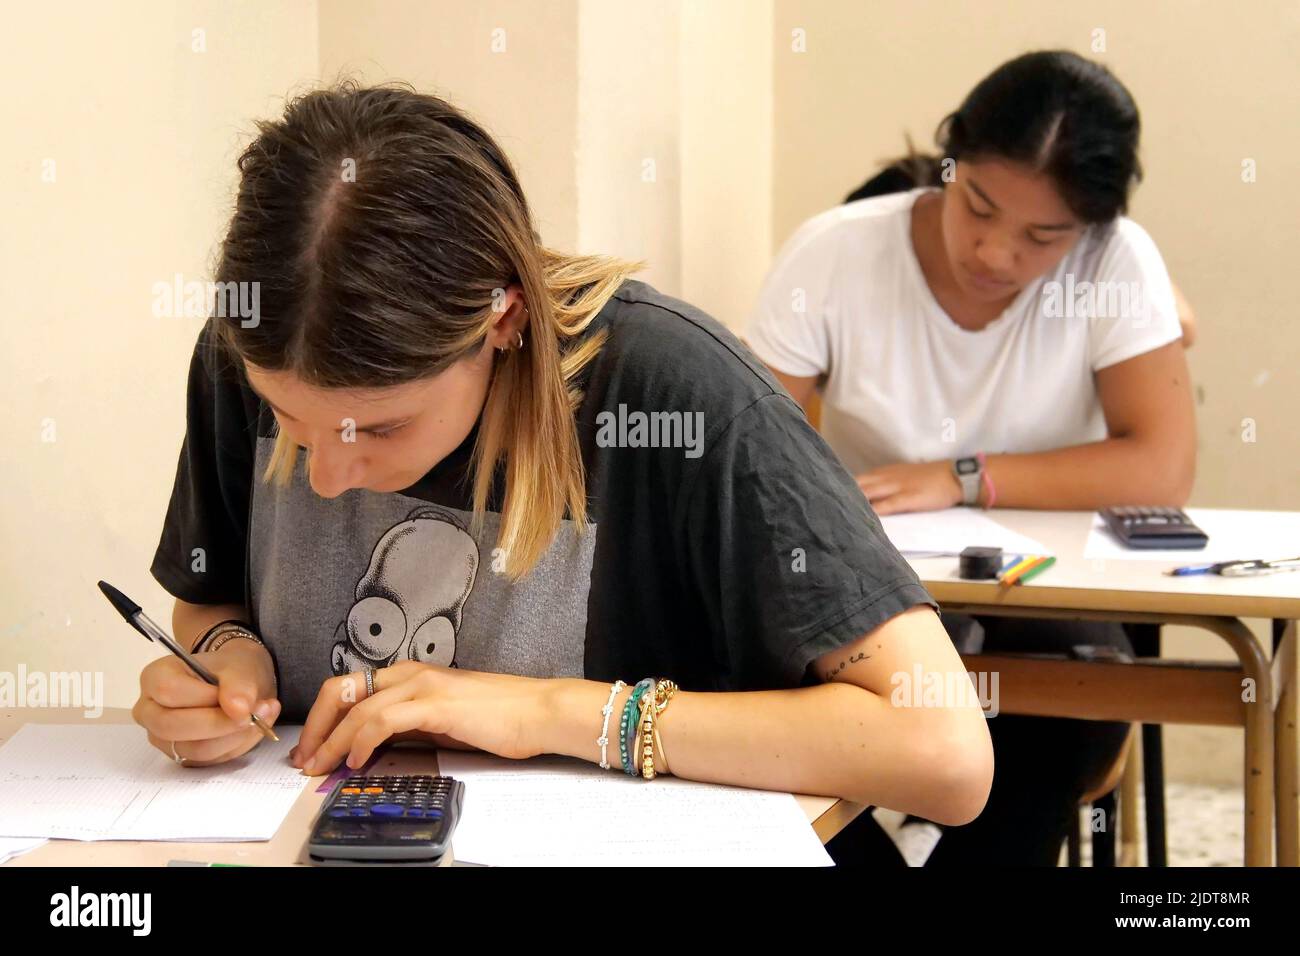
x=1012, y=325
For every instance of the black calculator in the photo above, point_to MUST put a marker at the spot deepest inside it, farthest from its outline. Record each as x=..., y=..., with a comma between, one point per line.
x=402, y=820
x=1154, y=528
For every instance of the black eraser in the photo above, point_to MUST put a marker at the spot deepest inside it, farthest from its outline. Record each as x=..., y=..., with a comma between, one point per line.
x=980, y=564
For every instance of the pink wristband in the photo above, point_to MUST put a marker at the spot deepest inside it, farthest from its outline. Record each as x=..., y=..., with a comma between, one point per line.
x=988, y=481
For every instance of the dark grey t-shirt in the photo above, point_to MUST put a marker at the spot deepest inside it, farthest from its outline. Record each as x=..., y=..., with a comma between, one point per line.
x=728, y=560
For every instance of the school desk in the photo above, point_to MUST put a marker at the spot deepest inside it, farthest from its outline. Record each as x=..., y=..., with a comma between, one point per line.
x=827, y=815
x=1154, y=690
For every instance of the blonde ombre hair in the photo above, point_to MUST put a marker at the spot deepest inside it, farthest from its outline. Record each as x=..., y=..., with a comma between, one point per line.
x=394, y=274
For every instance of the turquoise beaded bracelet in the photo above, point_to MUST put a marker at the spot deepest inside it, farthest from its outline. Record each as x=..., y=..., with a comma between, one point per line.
x=627, y=729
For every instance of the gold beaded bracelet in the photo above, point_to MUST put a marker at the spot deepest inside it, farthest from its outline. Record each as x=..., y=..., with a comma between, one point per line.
x=645, y=734
x=664, y=691
x=648, y=737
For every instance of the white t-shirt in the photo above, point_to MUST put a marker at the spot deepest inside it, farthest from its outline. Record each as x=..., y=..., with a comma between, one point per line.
x=847, y=299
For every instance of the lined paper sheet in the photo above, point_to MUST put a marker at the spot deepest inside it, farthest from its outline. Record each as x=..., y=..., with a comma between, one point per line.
x=85, y=782
x=557, y=811
x=934, y=534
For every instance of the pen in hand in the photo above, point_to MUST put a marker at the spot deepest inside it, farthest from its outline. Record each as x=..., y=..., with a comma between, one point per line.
x=133, y=615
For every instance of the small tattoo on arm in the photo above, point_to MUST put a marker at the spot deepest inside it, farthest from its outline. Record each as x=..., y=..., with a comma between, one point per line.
x=862, y=656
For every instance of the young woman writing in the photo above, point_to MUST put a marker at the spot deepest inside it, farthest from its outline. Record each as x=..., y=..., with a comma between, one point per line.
x=528, y=478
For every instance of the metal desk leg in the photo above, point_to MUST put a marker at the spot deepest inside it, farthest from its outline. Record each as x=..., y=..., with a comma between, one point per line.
x=1286, y=675
x=1259, y=710
x=1259, y=766
x=1259, y=769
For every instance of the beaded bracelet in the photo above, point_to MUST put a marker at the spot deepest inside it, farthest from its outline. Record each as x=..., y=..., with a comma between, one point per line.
x=200, y=646
x=218, y=638
x=603, y=740
x=648, y=737
x=664, y=691
x=645, y=737
x=627, y=728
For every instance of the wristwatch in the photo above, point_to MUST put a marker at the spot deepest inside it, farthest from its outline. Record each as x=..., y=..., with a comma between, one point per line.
x=969, y=471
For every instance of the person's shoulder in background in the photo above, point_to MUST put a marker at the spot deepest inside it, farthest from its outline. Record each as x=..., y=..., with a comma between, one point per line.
x=791, y=325
x=660, y=348
x=1121, y=278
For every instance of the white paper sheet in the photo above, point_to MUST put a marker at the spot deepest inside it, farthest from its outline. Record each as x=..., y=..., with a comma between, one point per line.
x=12, y=847
x=86, y=782
x=948, y=532
x=556, y=811
x=1234, y=536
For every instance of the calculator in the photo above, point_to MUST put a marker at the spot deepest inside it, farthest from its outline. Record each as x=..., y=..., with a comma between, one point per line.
x=401, y=820
x=1154, y=528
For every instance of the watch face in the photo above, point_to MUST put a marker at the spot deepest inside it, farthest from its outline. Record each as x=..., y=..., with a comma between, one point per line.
x=967, y=466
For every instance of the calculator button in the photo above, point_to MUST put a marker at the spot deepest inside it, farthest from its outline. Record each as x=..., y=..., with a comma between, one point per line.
x=351, y=790
x=358, y=812
x=339, y=812
x=414, y=812
x=387, y=810
x=433, y=814
x=374, y=790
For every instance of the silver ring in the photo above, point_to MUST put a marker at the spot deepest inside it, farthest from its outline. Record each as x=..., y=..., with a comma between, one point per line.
x=177, y=757
x=370, y=682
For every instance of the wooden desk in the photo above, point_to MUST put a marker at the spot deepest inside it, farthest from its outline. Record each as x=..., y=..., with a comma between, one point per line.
x=826, y=814
x=1154, y=691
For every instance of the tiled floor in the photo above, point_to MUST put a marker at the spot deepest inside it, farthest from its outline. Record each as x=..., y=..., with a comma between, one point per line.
x=1203, y=825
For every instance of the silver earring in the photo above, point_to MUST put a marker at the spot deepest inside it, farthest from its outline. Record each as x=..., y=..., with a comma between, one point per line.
x=519, y=340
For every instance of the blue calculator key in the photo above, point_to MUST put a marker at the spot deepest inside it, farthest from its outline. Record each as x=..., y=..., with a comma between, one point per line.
x=339, y=812
x=433, y=814
x=386, y=810
x=359, y=811
x=414, y=812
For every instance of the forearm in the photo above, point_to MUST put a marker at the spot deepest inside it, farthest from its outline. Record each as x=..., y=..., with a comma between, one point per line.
x=1114, y=471
x=189, y=621
x=833, y=739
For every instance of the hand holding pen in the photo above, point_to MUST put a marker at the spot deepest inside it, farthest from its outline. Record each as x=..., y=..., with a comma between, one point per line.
x=201, y=709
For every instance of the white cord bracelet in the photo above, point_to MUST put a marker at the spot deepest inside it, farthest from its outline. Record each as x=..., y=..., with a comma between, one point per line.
x=603, y=739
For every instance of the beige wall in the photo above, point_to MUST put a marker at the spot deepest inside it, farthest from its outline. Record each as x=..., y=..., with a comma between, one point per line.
x=747, y=136
x=726, y=134
x=143, y=133
x=511, y=64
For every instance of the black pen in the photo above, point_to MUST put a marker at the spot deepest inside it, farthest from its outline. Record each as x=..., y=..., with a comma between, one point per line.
x=134, y=616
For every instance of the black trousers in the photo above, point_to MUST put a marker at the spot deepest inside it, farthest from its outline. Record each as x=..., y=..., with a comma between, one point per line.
x=1043, y=765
